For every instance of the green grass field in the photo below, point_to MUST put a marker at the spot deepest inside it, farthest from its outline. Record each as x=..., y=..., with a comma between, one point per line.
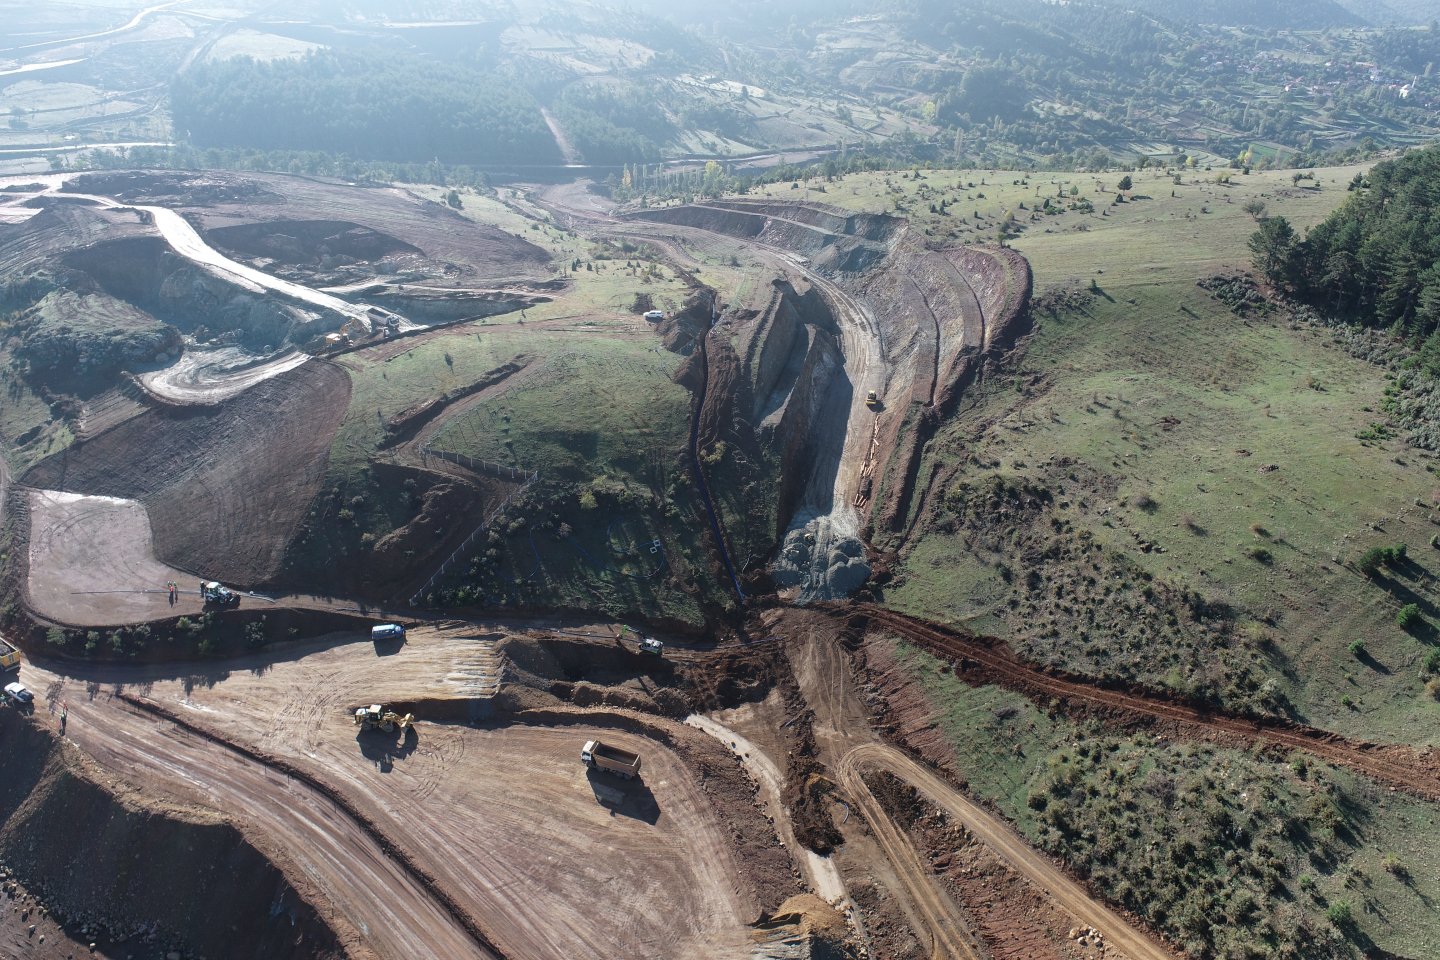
x=1237, y=459
x=1227, y=851
x=1150, y=239
x=596, y=412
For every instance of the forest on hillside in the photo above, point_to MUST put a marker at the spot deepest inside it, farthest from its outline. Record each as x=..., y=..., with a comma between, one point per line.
x=1376, y=260
x=370, y=104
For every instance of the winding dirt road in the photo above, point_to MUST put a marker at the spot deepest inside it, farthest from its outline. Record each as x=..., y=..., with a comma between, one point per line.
x=951, y=934
x=848, y=744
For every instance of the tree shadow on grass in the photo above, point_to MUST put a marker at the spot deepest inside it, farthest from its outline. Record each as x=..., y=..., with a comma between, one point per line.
x=1368, y=659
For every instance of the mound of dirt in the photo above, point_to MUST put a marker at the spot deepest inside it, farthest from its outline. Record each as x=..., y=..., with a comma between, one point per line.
x=173, y=189
x=805, y=928
x=225, y=485
x=452, y=249
x=594, y=674
x=144, y=272
x=322, y=243
x=155, y=880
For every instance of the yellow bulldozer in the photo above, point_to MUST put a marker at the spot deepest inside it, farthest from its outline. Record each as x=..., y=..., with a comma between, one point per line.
x=376, y=717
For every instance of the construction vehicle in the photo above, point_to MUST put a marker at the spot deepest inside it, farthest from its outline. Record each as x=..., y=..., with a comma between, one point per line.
x=216, y=595
x=597, y=756
x=652, y=646
x=872, y=400
x=376, y=717
x=9, y=656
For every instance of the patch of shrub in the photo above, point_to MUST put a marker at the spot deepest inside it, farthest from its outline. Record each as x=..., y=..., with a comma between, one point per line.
x=1409, y=616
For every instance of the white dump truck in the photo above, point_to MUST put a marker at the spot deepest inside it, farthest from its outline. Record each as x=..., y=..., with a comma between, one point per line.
x=600, y=757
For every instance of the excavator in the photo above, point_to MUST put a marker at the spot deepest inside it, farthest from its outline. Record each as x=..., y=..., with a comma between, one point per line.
x=376, y=717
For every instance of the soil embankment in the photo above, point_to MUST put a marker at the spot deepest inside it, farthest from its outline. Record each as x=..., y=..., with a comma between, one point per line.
x=225, y=485
x=151, y=878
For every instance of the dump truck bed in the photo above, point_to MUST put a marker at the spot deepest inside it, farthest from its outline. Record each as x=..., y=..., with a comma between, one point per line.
x=9, y=656
x=616, y=755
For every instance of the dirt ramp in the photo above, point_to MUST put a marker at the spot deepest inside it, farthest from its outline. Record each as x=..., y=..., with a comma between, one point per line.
x=225, y=486
x=194, y=884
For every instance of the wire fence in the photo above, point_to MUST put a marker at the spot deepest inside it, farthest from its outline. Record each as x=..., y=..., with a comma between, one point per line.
x=487, y=468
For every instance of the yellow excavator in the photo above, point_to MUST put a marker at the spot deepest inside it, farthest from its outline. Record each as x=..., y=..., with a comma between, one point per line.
x=376, y=717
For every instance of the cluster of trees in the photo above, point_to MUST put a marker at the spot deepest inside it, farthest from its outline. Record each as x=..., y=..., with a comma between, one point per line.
x=1376, y=260
x=371, y=104
x=315, y=163
x=614, y=123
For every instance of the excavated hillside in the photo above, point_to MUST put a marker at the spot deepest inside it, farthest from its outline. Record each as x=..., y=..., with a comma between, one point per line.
x=862, y=304
x=147, y=878
x=225, y=485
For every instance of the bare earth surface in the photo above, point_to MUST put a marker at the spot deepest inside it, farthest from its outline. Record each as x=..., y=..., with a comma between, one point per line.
x=225, y=484
x=209, y=376
x=504, y=817
x=843, y=732
x=92, y=562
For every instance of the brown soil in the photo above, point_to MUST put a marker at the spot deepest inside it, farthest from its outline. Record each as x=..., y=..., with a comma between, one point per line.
x=1013, y=919
x=307, y=243
x=129, y=875
x=225, y=485
x=452, y=248
x=988, y=660
x=503, y=817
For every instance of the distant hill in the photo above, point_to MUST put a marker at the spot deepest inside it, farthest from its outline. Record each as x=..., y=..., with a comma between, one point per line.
x=1288, y=14
x=1399, y=12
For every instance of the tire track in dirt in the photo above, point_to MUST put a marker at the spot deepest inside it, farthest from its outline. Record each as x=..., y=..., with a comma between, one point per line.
x=950, y=933
x=849, y=745
x=1000, y=838
x=388, y=906
x=1395, y=766
x=356, y=820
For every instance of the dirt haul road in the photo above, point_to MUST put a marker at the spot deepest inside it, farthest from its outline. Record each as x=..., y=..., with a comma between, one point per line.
x=378, y=908
x=1002, y=840
x=848, y=745
x=551, y=862
x=187, y=242
x=1398, y=766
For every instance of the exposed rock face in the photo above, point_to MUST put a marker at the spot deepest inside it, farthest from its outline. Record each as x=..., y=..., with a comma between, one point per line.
x=821, y=562
x=935, y=317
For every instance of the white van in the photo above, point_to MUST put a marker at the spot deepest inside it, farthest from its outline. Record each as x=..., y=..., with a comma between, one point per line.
x=387, y=631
